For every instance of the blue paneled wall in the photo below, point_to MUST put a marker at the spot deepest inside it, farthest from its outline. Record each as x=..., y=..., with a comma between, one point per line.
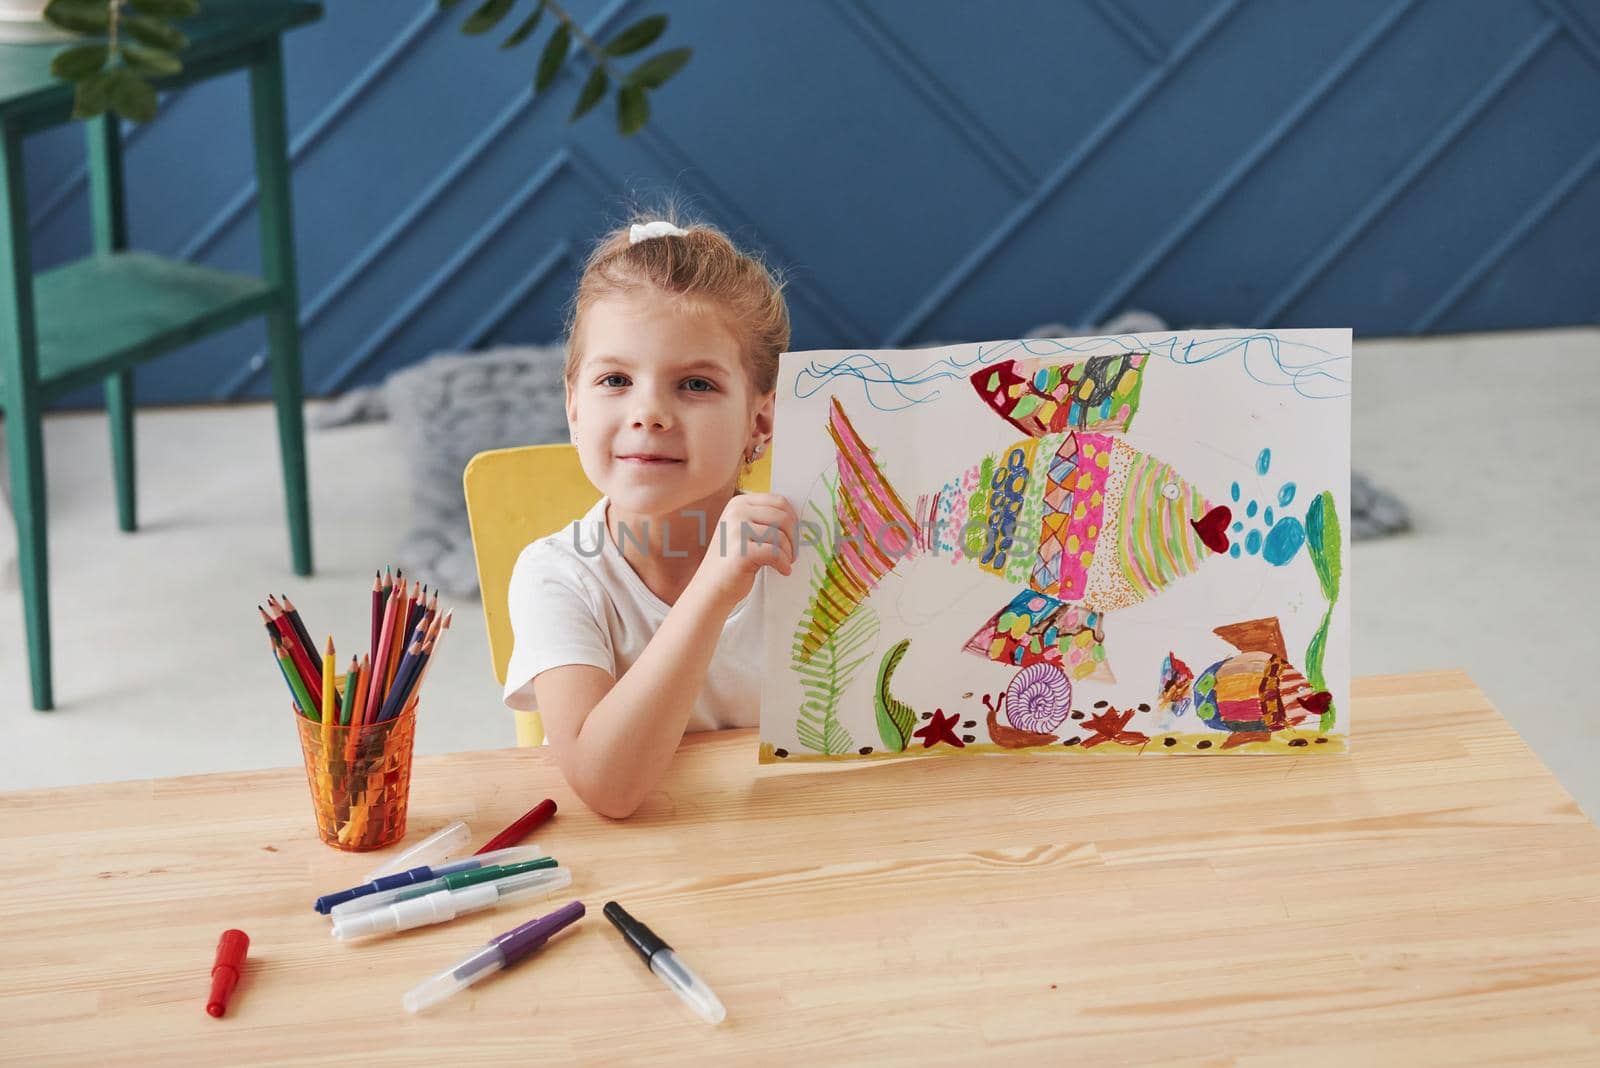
x=924, y=169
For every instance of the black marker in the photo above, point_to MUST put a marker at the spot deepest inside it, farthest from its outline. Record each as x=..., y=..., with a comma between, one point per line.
x=665, y=963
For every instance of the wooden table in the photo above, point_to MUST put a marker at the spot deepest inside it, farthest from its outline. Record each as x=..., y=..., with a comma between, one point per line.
x=1432, y=898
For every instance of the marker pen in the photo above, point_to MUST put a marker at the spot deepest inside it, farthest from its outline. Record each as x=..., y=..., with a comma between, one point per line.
x=446, y=905
x=329, y=902
x=665, y=963
x=453, y=881
x=502, y=952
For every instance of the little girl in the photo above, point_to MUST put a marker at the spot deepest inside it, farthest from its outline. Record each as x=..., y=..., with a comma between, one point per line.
x=643, y=619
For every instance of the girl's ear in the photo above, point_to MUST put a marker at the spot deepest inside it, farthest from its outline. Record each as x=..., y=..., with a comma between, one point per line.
x=761, y=428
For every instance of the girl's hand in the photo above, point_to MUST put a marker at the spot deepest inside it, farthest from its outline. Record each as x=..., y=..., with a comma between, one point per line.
x=756, y=530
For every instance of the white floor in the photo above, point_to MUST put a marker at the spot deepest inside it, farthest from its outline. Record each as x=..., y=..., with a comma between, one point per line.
x=162, y=666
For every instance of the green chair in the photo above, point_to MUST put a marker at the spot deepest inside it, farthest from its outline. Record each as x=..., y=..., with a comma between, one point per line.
x=93, y=320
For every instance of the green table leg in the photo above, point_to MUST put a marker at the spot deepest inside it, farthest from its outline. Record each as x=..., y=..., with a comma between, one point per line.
x=277, y=262
x=111, y=235
x=24, y=440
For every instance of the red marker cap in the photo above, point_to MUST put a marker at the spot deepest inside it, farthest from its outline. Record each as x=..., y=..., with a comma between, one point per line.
x=522, y=828
x=231, y=948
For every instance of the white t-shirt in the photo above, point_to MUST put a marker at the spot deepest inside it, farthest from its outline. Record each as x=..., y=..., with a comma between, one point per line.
x=572, y=604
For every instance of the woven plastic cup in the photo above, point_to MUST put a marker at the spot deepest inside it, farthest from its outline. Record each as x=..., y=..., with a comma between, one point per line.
x=359, y=793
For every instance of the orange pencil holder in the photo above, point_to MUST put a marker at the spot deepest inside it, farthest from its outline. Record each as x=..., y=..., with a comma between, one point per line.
x=359, y=786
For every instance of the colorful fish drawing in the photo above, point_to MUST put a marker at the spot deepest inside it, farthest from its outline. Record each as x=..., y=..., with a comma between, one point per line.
x=1080, y=522
x=1176, y=691
x=1250, y=695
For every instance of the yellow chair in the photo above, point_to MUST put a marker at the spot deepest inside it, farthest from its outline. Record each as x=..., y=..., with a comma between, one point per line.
x=516, y=496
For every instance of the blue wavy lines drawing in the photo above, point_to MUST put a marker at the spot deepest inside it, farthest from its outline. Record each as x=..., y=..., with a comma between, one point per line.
x=1309, y=370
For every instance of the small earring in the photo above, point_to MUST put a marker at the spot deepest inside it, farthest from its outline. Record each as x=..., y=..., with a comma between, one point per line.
x=755, y=453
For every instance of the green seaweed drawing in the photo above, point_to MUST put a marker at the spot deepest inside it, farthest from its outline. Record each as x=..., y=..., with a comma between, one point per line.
x=827, y=672
x=826, y=676
x=895, y=718
x=1323, y=541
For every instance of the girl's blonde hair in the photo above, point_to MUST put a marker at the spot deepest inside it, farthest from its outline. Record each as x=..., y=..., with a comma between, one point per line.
x=704, y=268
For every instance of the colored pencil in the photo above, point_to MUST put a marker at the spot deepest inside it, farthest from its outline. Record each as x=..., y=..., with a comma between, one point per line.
x=297, y=685
x=440, y=625
x=403, y=677
x=385, y=639
x=304, y=661
x=349, y=702
x=285, y=625
x=357, y=712
x=277, y=626
x=407, y=698
x=430, y=612
x=284, y=668
x=414, y=610
x=329, y=713
x=299, y=626
x=377, y=612
x=398, y=645
x=380, y=684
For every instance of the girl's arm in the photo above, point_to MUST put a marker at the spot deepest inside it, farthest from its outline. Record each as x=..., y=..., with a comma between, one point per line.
x=613, y=739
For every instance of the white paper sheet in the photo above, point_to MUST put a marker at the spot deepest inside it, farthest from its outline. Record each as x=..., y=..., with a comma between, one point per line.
x=1193, y=510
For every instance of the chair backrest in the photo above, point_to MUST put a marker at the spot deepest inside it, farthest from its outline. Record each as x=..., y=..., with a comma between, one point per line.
x=516, y=496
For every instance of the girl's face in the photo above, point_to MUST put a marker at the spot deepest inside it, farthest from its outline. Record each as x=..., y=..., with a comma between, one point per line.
x=661, y=409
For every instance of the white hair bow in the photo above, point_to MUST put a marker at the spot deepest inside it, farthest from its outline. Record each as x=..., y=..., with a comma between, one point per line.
x=645, y=231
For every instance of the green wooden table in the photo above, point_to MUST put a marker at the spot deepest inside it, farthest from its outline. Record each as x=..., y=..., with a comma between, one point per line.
x=94, y=319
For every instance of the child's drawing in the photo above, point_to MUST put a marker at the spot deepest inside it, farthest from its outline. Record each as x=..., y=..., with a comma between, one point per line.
x=1094, y=562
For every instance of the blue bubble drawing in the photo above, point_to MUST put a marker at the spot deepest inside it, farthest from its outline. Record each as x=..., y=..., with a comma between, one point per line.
x=1284, y=540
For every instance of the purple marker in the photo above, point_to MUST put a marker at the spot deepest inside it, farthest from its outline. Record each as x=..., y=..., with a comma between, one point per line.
x=501, y=952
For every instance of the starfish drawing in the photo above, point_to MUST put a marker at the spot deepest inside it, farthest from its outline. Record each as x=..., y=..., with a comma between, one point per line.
x=939, y=729
x=1108, y=727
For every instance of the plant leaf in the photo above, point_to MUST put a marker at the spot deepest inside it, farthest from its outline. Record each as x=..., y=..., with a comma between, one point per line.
x=633, y=110
x=550, y=60
x=446, y=5
x=79, y=16
x=824, y=679
x=155, y=33
x=895, y=718
x=523, y=32
x=487, y=17
x=640, y=35
x=593, y=90
x=654, y=72
x=76, y=64
x=1326, y=543
x=150, y=60
x=173, y=9
x=92, y=97
x=131, y=96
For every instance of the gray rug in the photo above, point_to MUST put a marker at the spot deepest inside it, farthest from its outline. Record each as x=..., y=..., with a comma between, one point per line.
x=452, y=406
x=444, y=411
